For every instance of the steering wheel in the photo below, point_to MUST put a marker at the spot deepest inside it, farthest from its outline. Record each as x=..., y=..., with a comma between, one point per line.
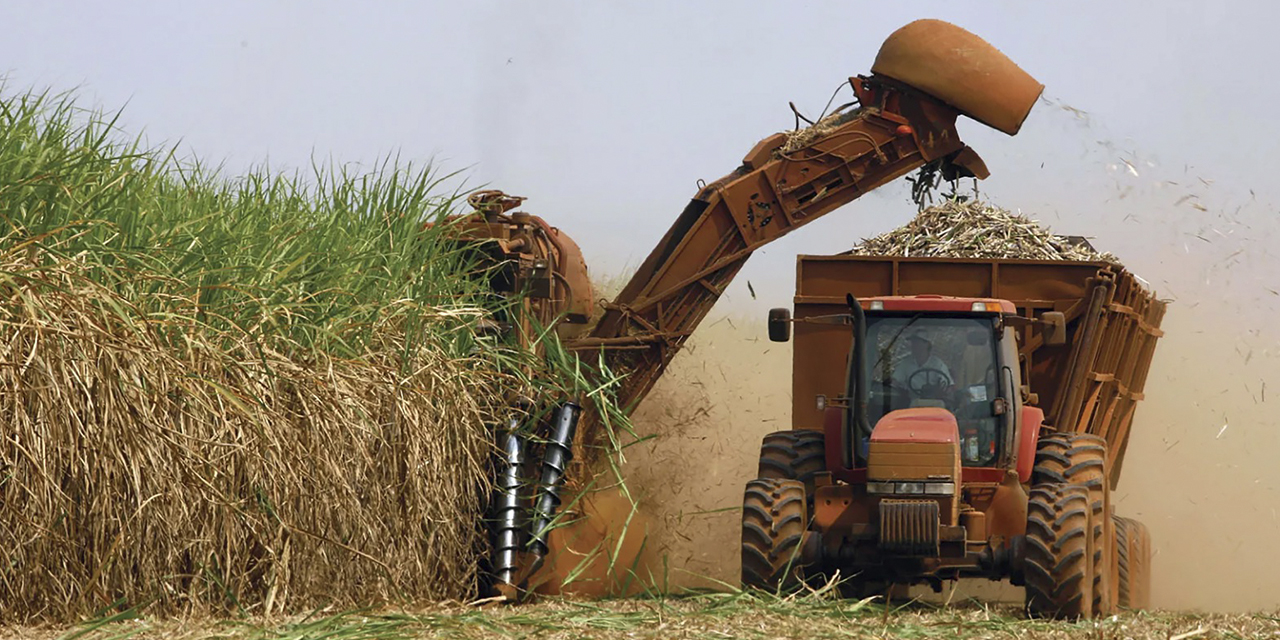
x=933, y=383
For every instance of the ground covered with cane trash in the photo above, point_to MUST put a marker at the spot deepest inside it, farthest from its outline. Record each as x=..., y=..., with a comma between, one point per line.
x=719, y=615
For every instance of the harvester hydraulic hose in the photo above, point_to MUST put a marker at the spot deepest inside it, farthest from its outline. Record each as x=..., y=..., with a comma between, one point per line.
x=556, y=457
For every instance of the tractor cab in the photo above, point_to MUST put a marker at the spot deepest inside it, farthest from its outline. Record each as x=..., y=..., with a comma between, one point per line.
x=942, y=353
x=955, y=356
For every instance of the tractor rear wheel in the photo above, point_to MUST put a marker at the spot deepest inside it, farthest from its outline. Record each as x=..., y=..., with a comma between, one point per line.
x=1133, y=544
x=1081, y=458
x=1122, y=563
x=1140, y=566
x=798, y=454
x=774, y=519
x=1058, y=566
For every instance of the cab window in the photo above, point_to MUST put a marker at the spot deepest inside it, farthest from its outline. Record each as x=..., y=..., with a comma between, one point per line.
x=945, y=362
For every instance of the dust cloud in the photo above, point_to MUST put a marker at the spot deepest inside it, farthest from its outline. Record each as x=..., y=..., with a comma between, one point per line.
x=728, y=388
x=1202, y=467
x=701, y=428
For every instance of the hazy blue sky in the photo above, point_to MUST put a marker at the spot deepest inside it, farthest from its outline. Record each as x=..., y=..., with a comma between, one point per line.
x=605, y=114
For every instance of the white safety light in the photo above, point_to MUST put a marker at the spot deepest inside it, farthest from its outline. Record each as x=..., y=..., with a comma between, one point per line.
x=910, y=487
x=979, y=306
x=877, y=305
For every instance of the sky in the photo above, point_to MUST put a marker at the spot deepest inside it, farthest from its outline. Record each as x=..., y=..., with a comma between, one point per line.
x=606, y=114
x=1155, y=139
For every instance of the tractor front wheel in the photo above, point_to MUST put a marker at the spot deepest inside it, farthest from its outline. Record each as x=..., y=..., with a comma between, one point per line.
x=1059, y=564
x=774, y=519
x=1081, y=459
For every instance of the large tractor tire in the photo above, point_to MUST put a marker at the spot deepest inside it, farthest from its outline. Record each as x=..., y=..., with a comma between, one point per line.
x=1139, y=566
x=774, y=518
x=1081, y=459
x=799, y=454
x=1058, y=567
x=1133, y=546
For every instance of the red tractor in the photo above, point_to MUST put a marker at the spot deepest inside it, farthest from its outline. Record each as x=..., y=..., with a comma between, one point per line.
x=957, y=418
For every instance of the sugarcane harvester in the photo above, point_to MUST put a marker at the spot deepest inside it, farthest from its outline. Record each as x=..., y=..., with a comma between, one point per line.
x=540, y=273
x=903, y=119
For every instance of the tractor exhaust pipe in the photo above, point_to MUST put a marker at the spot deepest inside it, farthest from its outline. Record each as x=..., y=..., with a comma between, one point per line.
x=556, y=457
x=856, y=426
x=507, y=531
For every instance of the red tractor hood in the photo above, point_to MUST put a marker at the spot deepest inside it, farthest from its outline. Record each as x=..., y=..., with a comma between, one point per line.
x=923, y=424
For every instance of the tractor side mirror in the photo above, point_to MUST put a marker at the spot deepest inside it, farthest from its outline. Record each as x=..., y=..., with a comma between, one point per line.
x=779, y=325
x=1054, y=327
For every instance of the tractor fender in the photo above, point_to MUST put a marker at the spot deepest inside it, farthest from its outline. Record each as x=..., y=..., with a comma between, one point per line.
x=1032, y=420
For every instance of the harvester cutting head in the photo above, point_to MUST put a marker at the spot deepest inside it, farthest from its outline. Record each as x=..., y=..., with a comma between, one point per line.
x=960, y=69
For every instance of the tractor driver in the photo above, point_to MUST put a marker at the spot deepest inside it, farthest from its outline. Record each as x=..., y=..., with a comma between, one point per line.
x=922, y=372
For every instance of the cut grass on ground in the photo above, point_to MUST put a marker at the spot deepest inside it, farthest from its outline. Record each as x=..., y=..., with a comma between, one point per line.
x=702, y=616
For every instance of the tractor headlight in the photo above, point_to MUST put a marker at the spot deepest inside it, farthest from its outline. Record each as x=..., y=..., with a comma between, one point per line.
x=911, y=488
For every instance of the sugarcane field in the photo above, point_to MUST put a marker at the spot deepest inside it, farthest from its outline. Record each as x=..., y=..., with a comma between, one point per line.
x=497, y=320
